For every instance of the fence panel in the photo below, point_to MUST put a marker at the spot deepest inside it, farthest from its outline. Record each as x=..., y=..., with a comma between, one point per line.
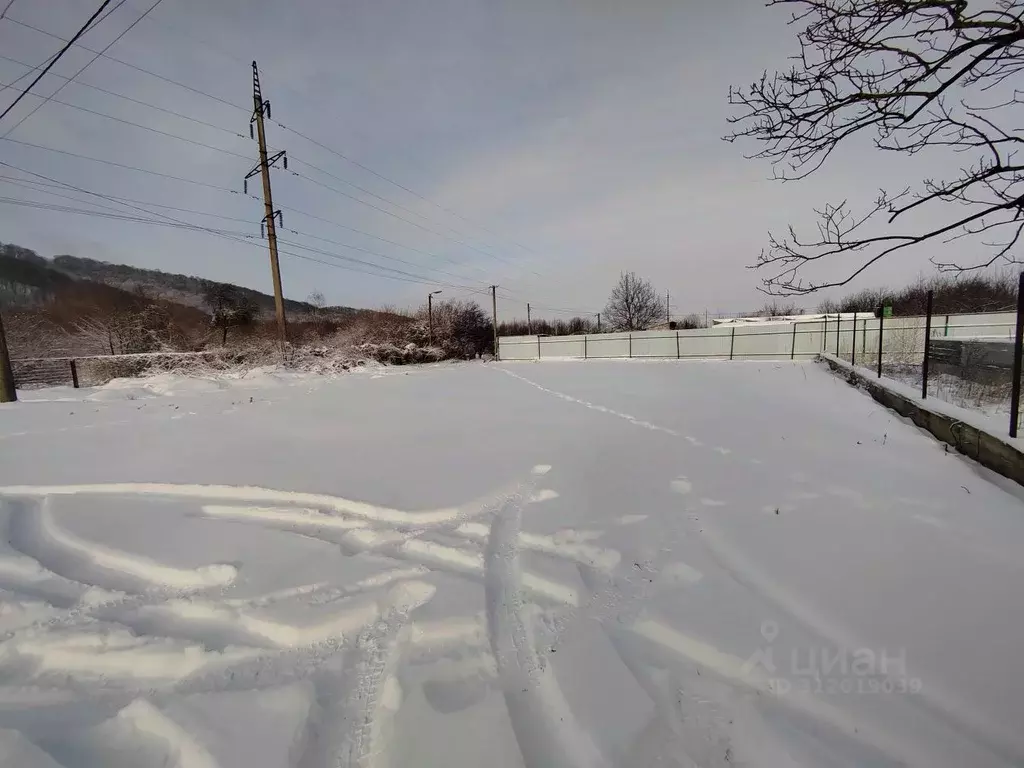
x=43, y=372
x=903, y=339
x=602, y=345
x=561, y=346
x=661, y=345
x=518, y=347
x=763, y=342
x=705, y=343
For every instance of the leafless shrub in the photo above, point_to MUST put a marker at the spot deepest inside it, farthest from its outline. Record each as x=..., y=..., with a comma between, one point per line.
x=691, y=322
x=779, y=309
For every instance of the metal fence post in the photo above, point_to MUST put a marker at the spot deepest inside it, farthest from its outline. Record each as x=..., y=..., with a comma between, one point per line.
x=677, y=345
x=927, y=344
x=538, y=346
x=732, y=341
x=853, y=350
x=839, y=324
x=881, y=323
x=631, y=345
x=824, y=334
x=863, y=335
x=74, y=373
x=792, y=348
x=1017, y=341
x=584, y=346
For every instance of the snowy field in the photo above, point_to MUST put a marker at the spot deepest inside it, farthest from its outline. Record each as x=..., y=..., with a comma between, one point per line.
x=547, y=565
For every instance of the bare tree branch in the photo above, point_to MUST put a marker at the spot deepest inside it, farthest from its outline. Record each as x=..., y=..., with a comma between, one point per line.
x=913, y=75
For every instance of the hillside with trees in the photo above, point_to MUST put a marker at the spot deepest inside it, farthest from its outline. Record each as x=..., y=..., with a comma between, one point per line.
x=74, y=307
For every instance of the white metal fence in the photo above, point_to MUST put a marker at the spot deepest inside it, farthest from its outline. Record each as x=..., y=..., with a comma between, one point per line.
x=798, y=340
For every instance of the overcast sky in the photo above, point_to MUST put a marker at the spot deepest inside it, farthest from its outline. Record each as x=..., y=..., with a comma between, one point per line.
x=553, y=144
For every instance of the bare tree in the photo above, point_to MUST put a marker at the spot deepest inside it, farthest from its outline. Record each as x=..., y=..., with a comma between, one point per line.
x=634, y=304
x=318, y=302
x=912, y=75
x=230, y=308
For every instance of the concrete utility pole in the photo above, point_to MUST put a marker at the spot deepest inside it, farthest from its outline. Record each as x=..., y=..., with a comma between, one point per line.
x=668, y=312
x=430, y=317
x=261, y=108
x=598, y=322
x=529, y=325
x=7, y=392
x=494, y=310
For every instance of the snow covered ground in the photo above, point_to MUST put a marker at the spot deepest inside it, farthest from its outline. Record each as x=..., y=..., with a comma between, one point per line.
x=607, y=563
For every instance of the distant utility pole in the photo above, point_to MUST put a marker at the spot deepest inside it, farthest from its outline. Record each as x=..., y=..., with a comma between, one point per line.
x=261, y=108
x=598, y=322
x=494, y=315
x=668, y=315
x=7, y=393
x=529, y=325
x=430, y=318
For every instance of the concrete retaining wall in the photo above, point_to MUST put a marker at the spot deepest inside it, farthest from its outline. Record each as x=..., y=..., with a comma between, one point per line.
x=985, y=448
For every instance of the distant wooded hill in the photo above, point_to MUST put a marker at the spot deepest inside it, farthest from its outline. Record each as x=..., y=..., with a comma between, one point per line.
x=28, y=279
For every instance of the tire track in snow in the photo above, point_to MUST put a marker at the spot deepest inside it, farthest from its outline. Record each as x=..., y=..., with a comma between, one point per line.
x=671, y=735
x=350, y=722
x=140, y=734
x=23, y=575
x=945, y=705
x=32, y=531
x=547, y=732
x=257, y=495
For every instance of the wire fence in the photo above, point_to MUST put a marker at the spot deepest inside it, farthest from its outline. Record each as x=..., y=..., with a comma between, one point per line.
x=967, y=360
x=95, y=370
x=795, y=341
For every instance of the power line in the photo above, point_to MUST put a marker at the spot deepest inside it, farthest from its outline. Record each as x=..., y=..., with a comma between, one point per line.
x=138, y=125
x=211, y=186
x=424, y=278
x=120, y=217
x=383, y=256
x=373, y=194
x=245, y=109
x=234, y=154
x=51, y=57
x=220, y=49
x=27, y=184
x=135, y=67
x=127, y=98
x=121, y=165
x=56, y=58
x=395, y=183
x=384, y=199
x=234, y=236
x=86, y=65
x=382, y=239
x=230, y=235
x=396, y=216
x=13, y=179
x=247, y=221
